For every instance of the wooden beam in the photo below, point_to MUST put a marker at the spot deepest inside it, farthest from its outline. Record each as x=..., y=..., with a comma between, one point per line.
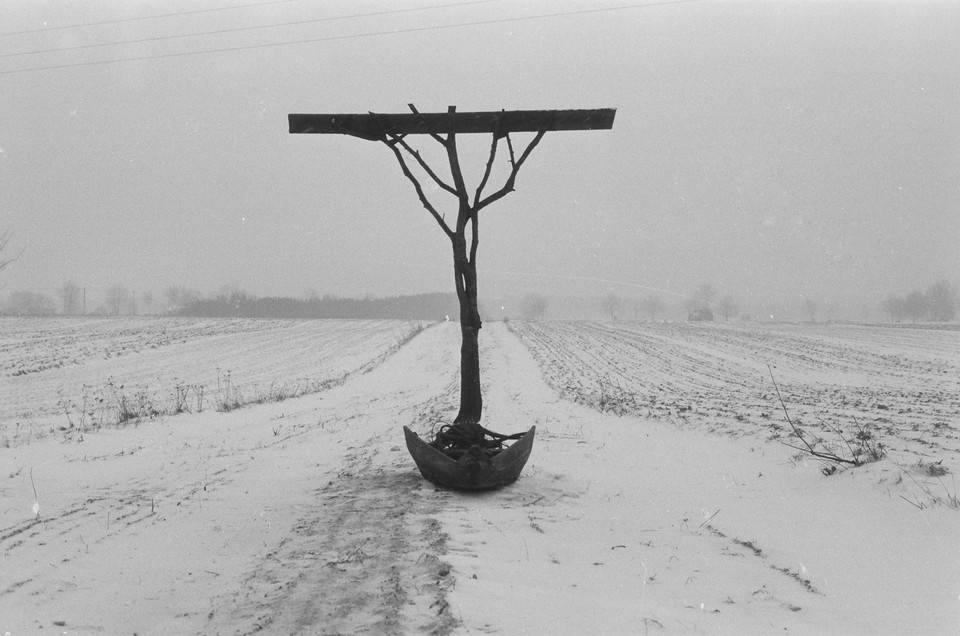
x=375, y=126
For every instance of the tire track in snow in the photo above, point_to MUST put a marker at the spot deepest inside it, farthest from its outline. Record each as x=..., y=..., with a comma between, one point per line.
x=270, y=494
x=366, y=559
x=366, y=555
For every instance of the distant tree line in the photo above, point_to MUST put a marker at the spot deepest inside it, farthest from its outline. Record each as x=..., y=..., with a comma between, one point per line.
x=533, y=306
x=28, y=303
x=699, y=307
x=238, y=304
x=72, y=300
x=118, y=300
x=938, y=303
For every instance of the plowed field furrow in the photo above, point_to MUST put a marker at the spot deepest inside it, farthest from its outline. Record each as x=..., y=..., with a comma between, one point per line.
x=674, y=361
x=902, y=386
x=81, y=373
x=29, y=345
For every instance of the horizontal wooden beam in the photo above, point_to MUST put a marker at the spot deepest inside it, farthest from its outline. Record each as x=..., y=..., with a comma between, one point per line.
x=375, y=126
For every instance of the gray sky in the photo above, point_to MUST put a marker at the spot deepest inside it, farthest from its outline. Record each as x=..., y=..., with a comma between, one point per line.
x=783, y=150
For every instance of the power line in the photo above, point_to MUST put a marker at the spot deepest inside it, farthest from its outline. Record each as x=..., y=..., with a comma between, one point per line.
x=348, y=37
x=159, y=38
x=144, y=17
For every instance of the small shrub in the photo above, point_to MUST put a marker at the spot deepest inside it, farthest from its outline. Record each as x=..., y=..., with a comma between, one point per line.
x=228, y=396
x=136, y=408
x=613, y=398
x=181, y=394
x=862, y=447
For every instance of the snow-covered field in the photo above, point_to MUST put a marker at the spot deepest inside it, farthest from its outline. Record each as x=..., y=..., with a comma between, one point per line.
x=901, y=385
x=661, y=495
x=81, y=373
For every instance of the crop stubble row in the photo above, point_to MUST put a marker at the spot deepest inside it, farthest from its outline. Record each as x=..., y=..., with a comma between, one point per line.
x=55, y=371
x=903, y=383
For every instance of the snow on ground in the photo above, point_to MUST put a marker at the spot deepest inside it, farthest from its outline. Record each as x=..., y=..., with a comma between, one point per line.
x=627, y=525
x=900, y=385
x=89, y=372
x=307, y=515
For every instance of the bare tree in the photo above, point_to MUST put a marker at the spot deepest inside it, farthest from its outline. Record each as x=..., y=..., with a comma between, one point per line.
x=4, y=241
x=465, y=435
x=147, y=298
x=28, y=303
x=533, y=306
x=464, y=240
x=70, y=297
x=653, y=305
x=915, y=305
x=810, y=309
x=179, y=297
x=174, y=295
x=728, y=306
x=895, y=307
x=117, y=299
x=611, y=305
x=700, y=301
x=704, y=294
x=942, y=299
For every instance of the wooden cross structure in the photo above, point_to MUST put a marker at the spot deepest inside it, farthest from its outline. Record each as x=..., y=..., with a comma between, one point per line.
x=392, y=130
x=376, y=127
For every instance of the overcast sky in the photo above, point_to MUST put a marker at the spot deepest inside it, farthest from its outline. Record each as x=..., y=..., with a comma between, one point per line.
x=788, y=150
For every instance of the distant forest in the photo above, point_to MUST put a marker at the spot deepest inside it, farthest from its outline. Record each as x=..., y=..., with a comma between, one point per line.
x=435, y=306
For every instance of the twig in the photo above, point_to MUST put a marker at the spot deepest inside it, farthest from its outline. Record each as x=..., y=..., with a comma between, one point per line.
x=438, y=138
x=4, y=239
x=831, y=457
x=785, y=413
x=36, y=499
x=710, y=517
x=840, y=435
x=512, y=178
x=920, y=507
x=283, y=439
x=419, y=189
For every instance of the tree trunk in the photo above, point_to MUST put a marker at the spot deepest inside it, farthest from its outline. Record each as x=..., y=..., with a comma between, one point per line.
x=471, y=400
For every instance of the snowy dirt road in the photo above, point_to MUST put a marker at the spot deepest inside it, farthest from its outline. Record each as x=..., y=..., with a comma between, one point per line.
x=298, y=516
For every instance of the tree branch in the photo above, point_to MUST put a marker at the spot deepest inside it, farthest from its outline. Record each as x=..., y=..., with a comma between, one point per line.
x=398, y=139
x=416, y=184
x=438, y=138
x=510, y=148
x=455, y=171
x=486, y=173
x=508, y=185
x=4, y=239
